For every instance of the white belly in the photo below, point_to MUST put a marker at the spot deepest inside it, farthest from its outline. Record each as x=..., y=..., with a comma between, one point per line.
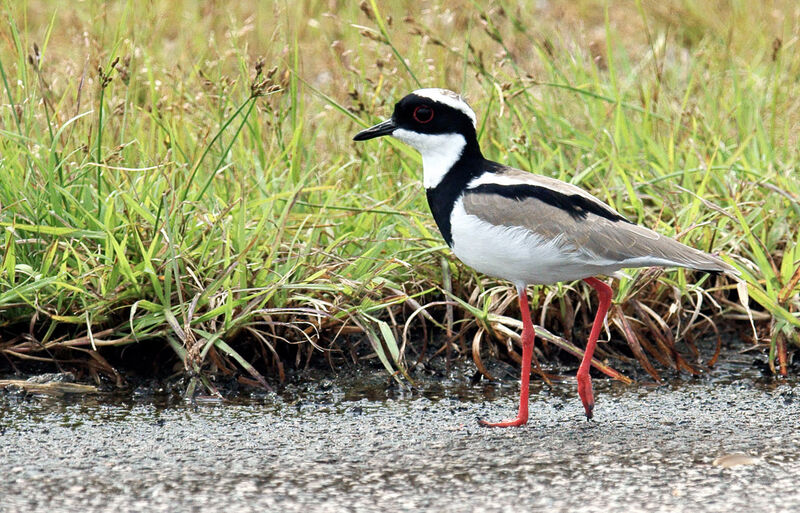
x=517, y=254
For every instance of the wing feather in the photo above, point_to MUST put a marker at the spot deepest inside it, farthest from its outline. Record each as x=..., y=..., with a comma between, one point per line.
x=600, y=236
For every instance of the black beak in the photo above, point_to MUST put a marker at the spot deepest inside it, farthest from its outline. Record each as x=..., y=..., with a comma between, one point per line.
x=385, y=128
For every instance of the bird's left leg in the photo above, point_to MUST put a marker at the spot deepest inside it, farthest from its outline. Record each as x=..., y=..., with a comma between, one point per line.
x=528, y=335
x=604, y=294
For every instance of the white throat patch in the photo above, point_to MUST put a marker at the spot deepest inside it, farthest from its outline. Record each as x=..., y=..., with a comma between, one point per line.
x=450, y=99
x=439, y=152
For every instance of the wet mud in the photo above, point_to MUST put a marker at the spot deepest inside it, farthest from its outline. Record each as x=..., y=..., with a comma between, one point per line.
x=727, y=441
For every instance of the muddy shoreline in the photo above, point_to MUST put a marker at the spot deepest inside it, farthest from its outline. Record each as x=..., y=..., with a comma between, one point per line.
x=357, y=443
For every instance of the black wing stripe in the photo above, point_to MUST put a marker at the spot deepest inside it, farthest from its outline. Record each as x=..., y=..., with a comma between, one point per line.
x=577, y=206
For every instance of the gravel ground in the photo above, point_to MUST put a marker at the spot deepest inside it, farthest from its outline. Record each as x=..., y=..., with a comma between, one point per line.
x=354, y=444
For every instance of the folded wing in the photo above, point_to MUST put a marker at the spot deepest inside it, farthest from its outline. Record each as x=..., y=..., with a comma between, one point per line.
x=579, y=222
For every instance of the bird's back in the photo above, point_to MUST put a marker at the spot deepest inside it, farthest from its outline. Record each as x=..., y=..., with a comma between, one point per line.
x=583, y=227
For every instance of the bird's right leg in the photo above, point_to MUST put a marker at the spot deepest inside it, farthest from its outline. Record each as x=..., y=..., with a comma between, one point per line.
x=604, y=295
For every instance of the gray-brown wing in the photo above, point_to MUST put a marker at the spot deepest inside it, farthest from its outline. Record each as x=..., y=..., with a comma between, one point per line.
x=580, y=223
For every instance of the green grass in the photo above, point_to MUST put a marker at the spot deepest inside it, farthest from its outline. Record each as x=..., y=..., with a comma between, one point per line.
x=185, y=174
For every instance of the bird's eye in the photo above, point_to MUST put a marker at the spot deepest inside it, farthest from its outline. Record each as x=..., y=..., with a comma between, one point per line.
x=423, y=114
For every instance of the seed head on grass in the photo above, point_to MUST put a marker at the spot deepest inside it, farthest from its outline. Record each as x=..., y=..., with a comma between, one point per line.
x=104, y=75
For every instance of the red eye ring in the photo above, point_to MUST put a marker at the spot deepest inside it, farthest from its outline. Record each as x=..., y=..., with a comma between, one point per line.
x=423, y=114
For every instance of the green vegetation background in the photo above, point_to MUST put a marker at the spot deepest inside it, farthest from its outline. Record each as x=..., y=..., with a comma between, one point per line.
x=183, y=172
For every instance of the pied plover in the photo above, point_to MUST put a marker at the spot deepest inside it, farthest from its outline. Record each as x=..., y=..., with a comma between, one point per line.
x=522, y=227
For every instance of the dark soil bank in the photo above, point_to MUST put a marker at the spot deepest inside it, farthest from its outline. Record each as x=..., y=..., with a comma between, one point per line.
x=343, y=445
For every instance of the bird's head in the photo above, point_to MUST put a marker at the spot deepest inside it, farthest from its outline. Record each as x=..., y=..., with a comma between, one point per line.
x=422, y=117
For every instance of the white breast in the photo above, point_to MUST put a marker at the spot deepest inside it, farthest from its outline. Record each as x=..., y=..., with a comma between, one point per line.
x=515, y=253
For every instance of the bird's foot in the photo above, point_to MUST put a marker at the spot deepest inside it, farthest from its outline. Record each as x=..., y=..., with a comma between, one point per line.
x=519, y=421
x=585, y=392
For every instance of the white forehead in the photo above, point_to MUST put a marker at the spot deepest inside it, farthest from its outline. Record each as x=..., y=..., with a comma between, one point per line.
x=448, y=98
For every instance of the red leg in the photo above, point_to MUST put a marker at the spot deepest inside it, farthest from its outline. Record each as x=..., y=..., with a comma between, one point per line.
x=528, y=334
x=604, y=294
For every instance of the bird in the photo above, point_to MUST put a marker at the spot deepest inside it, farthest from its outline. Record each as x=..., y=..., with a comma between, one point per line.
x=522, y=227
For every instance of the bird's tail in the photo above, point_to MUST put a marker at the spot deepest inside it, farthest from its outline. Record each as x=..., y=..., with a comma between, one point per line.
x=670, y=252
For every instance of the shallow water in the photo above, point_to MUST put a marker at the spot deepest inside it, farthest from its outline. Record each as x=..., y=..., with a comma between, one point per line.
x=356, y=444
